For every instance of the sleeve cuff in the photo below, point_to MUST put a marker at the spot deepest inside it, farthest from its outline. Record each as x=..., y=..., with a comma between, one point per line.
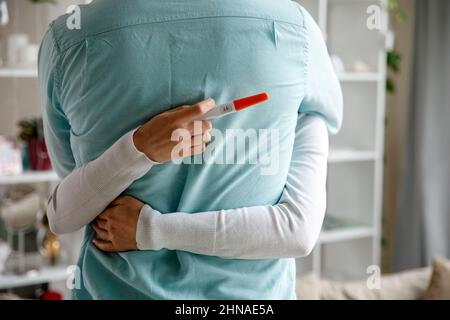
x=147, y=230
x=176, y=231
x=134, y=151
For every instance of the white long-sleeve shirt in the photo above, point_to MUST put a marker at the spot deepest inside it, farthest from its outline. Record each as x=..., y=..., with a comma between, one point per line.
x=288, y=229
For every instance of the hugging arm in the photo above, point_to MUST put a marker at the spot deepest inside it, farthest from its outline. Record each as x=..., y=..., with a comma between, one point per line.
x=84, y=193
x=288, y=229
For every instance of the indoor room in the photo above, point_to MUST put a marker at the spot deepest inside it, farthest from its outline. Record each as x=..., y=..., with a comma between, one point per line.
x=369, y=222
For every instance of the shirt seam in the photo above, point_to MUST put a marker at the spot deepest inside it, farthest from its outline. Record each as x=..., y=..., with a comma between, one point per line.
x=307, y=66
x=302, y=13
x=57, y=74
x=174, y=19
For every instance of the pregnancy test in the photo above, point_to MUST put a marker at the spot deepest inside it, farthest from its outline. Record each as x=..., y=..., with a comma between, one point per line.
x=235, y=106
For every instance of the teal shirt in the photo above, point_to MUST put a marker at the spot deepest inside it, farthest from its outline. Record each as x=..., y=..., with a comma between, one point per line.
x=132, y=60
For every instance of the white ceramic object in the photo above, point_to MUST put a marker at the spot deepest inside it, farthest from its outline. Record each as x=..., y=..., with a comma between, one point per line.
x=10, y=158
x=16, y=42
x=22, y=213
x=28, y=55
x=361, y=67
x=4, y=15
x=390, y=40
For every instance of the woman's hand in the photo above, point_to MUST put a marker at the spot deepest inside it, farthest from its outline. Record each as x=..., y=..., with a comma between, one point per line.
x=155, y=137
x=116, y=226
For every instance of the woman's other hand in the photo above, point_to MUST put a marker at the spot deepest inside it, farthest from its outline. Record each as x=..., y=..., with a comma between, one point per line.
x=116, y=226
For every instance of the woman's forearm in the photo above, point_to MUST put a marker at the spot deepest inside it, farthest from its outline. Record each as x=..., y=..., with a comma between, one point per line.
x=88, y=190
x=288, y=229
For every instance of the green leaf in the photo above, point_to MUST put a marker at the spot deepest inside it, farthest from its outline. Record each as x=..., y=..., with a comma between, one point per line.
x=390, y=86
x=393, y=5
x=393, y=60
x=30, y=129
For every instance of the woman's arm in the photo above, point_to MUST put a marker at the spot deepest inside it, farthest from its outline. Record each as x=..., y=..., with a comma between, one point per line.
x=87, y=191
x=288, y=229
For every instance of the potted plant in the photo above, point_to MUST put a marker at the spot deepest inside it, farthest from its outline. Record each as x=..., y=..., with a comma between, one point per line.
x=32, y=134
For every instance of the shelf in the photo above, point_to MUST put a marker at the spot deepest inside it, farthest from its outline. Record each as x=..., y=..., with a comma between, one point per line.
x=344, y=234
x=51, y=274
x=18, y=73
x=339, y=155
x=337, y=229
x=29, y=177
x=359, y=77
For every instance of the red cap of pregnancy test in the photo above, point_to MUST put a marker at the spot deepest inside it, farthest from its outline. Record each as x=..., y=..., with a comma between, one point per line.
x=244, y=103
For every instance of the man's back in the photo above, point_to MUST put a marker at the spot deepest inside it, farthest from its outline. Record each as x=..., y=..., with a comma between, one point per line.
x=132, y=60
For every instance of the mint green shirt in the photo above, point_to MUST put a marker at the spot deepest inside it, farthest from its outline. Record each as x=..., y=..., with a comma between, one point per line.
x=133, y=59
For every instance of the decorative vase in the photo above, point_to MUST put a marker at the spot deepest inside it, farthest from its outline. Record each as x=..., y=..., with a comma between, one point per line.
x=19, y=216
x=4, y=16
x=38, y=155
x=49, y=246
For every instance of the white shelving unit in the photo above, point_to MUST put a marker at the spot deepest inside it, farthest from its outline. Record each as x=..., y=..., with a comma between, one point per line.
x=52, y=274
x=338, y=235
x=346, y=249
x=49, y=274
x=29, y=177
x=359, y=77
x=46, y=274
x=18, y=73
x=351, y=155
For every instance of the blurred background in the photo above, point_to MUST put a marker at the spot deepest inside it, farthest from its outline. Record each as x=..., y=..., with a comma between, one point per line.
x=386, y=235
